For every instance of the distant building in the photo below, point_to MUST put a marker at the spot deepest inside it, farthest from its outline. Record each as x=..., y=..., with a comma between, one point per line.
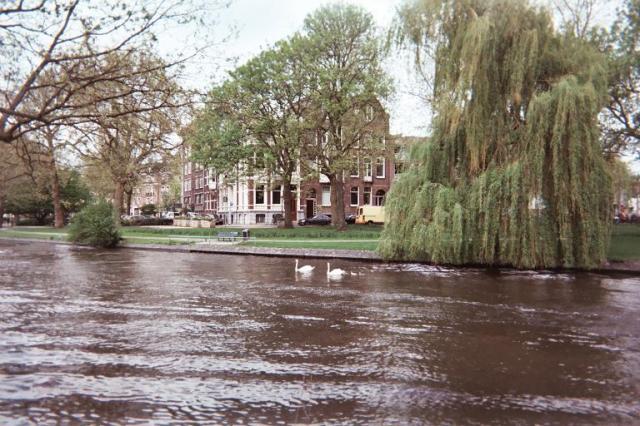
x=151, y=190
x=199, y=189
x=258, y=198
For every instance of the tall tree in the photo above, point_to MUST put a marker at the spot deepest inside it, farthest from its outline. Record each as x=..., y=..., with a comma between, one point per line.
x=126, y=144
x=11, y=170
x=342, y=56
x=621, y=117
x=513, y=173
x=41, y=156
x=261, y=108
x=73, y=38
x=577, y=16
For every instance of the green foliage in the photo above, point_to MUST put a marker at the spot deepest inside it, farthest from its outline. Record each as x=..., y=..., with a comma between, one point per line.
x=74, y=192
x=24, y=197
x=356, y=232
x=149, y=210
x=216, y=139
x=513, y=174
x=342, y=54
x=621, y=118
x=95, y=225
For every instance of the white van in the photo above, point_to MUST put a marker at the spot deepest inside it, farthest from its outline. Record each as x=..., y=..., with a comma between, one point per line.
x=370, y=214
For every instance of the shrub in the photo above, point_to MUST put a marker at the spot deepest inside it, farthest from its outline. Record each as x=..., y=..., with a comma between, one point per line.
x=95, y=225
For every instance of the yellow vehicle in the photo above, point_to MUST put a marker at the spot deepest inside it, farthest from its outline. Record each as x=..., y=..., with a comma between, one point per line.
x=370, y=214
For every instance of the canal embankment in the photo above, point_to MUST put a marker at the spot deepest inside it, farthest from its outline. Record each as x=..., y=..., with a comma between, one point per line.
x=212, y=246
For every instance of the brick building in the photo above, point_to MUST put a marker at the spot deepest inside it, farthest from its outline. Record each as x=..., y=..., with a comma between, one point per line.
x=151, y=190
x=199, y=188
x=257, y=198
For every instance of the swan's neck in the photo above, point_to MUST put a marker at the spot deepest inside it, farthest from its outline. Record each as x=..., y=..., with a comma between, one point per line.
x=296, y=263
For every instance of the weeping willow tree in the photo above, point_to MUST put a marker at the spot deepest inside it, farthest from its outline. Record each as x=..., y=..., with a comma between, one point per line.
x=513, y=172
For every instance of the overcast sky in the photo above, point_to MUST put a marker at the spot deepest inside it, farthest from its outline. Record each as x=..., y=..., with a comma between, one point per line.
x=257, y=24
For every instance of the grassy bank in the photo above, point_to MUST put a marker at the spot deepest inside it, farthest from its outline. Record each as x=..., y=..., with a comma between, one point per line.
x=357, y=232
x=625, y=241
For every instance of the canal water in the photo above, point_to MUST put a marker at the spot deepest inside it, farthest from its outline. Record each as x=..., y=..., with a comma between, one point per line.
x=145, y=337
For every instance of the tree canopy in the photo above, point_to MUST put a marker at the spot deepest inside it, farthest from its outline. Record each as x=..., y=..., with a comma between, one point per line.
x=513, y=173
x=257, y=112
x=621, y=118
x=342, y=57
x=303, y=99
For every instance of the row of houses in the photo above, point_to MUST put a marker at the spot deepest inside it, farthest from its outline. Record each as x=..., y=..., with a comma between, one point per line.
x=257, y=198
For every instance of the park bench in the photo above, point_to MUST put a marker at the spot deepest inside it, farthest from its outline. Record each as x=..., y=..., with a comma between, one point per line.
x=227, y=236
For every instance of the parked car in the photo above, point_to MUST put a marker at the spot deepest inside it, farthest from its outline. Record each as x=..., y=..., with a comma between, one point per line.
x=350, y=218
x=319, y=219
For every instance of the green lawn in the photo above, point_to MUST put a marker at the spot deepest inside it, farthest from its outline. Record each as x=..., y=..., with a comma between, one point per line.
x=357, y=232
x=625, y=241
x=46, y=234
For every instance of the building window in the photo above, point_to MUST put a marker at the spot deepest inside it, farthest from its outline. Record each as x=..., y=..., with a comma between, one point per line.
x=275, y=195
x=225, y=199
x=260, y=218
x=368, y=113
x=378, y=200
x=380, y=167
x=355, y=172
x=367, y=195
x=259, y=161
x=260, y=194
x=326, y=195
x=354, y=195
x=398, y=167
x=322, y=139
x=367, y=167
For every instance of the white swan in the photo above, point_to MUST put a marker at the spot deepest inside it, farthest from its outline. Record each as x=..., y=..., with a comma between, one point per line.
x=304, y=269
x=336, y=273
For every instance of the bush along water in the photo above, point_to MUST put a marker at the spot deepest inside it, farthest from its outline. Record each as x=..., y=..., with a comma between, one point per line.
x=513, y=173
x=95, y=225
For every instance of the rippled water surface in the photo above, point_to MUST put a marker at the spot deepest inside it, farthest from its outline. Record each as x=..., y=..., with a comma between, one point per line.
x=148, y=337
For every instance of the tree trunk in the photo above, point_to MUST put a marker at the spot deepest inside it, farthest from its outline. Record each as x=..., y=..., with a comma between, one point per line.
x=286, y=199
x=337, y=203
x=58, y=211
x=118, y=199
x=129, y=194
